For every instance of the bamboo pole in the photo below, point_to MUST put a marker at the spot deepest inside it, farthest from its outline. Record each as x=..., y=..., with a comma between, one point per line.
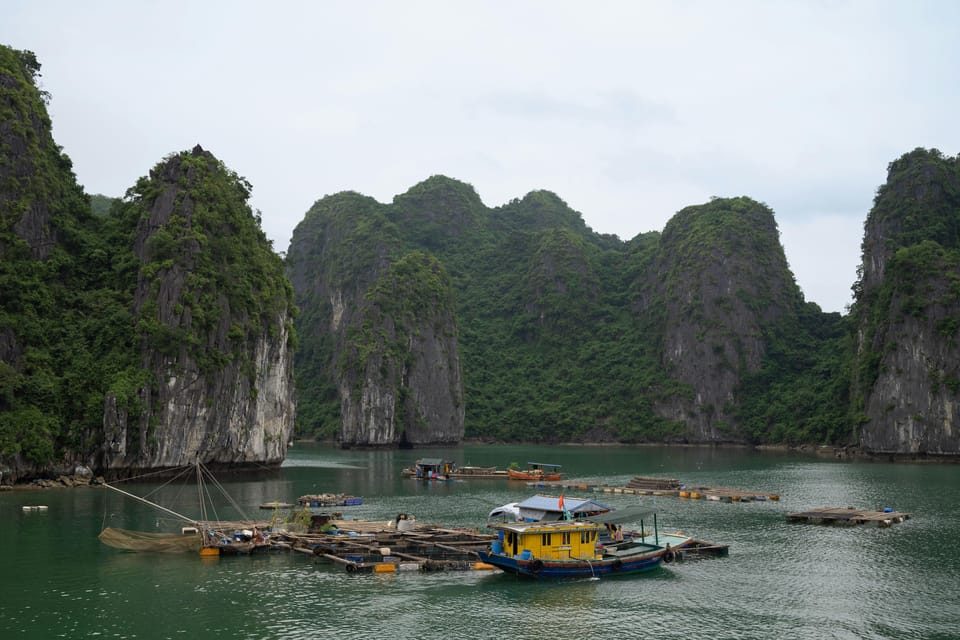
x=152, y=504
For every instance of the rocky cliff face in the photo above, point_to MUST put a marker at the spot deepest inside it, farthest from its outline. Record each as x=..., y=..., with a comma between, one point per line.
x=568, y=334
x=147, y=337
x=719, y=277
x=216, y=312
x=28, y=152
x=906, y=387
x=400, y=380
x=379, y=326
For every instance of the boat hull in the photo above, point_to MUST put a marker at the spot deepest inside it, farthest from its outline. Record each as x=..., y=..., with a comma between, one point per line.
x=560, y=569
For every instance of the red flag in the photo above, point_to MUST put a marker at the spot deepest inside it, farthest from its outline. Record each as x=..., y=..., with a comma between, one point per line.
x=561, y=502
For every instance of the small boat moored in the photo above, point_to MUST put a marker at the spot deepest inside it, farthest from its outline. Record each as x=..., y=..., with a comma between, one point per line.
x=537, y=471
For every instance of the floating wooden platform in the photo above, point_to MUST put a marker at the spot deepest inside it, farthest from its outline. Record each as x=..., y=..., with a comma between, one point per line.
x=377, y=547
x=329, y=500
x=463, y=473
x=848, y=516
x=726, y=494
x=644, y=486
x=702, y=549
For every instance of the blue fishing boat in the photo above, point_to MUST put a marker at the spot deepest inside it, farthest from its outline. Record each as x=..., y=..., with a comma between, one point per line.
x=575, y=548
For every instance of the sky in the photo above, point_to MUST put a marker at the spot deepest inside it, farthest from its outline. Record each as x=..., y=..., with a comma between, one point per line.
x=628, y=110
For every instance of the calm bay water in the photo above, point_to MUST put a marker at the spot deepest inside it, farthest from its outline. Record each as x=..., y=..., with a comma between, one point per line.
x=780, y=580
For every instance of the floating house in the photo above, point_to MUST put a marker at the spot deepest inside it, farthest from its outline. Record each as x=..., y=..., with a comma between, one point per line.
x=434, y=469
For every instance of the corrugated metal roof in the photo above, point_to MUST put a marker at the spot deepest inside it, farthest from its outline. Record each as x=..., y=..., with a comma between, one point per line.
x=551, y=504
x=430, y=462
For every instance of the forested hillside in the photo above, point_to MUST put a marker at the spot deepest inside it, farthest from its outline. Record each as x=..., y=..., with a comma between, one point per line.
x=62, y=328
x=699, y=334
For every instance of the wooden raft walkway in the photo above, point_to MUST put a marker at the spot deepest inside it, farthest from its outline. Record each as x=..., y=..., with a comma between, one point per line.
x=848, y=516
x=651, y=486
x=376, y=548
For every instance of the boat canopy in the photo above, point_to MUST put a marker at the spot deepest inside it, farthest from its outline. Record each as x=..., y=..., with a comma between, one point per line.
x=630, y=513
x=541, y=507
x=508, y=511
x=436, y=464
x=540, y=465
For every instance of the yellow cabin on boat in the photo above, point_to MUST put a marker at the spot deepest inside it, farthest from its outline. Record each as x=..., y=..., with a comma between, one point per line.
x=562, y=540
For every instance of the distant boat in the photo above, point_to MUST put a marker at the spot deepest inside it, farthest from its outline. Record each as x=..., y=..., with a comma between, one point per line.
x=468, y=471
x=573, y=549
x=536, y=471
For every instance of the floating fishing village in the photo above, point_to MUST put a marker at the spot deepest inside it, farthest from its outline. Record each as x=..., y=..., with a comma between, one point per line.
x=547, y=535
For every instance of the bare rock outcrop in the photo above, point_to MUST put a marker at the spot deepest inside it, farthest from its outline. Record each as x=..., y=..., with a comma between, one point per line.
x=216, y=346
x=719, y=276
x=381, y=328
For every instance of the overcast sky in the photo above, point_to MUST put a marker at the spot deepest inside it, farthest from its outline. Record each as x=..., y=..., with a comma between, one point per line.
x=629, y=111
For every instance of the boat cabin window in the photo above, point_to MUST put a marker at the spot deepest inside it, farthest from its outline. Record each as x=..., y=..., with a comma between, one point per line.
x=566, y=538
x=587, y=536
x=545, y=539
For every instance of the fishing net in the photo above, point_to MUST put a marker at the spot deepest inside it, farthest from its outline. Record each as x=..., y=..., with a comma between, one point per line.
x=148, y=541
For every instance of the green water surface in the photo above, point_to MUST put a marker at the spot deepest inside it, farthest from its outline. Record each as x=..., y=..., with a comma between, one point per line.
x=780, y=580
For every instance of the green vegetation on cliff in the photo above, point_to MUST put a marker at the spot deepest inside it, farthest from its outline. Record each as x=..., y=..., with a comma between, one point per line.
x=60, y=321
x=79, y=299
x=560, y=330
x=205, y=244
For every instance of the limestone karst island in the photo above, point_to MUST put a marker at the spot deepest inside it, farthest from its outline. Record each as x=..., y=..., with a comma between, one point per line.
x=160, y=328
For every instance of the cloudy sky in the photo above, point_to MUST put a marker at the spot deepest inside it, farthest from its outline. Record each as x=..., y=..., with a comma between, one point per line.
x=628, y=110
